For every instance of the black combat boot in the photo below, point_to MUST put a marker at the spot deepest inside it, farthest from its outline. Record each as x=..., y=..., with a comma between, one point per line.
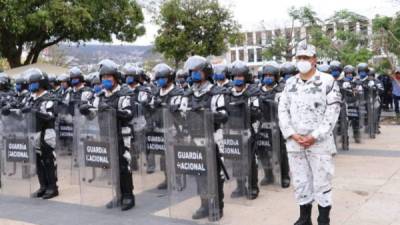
x=240, y=190
x=268, y=177
x=127, y=203
x=203, y=211
x=305, y=215
x=323, y=217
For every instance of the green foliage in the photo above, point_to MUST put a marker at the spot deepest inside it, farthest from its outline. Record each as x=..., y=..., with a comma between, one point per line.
x=38, y=24
x=351, y=56
x=202, y=27
x=384, y=66
x=278, y=48
x=387, y=33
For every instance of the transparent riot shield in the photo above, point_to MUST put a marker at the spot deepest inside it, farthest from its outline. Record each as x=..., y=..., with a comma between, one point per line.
x=18, y=158
x=356, y=111
x=341, y=133
x=67, y=166
x=371, y=112
x=193, y=165
x=98, y=149
x=268, y=144
x=238, y=156
x=149, y=150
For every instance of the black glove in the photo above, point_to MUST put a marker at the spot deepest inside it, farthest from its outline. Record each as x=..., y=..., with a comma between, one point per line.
x=157, y=102
x=220, y=117
x=196, y=108
x=26, y=109
x=6, y=110
x=84, y=109
x=104, y=107
x=122, y=114
x=42, y=116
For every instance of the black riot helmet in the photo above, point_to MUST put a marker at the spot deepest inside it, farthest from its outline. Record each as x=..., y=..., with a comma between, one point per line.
x=143, y=75
x=221, y=72
x=362, y=70
x=21, y=83
x=162, y=70
x=37, y=79
x=76, y=73
x=131, y=73
x=240, y=68
x=4, y=82
x=349, y=69
x=109, y=67
x=163, y=74
x=182, y=74
x=196, y=64
x=335, y=65
x=288, y=70
x=362, y=67
x=371, y=73
x=271, y=68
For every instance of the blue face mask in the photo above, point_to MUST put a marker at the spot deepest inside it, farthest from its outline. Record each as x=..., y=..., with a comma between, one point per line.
x=107, y=84
x=238, y=83
x=130, y=80
x=268, y=80
x=18, y=87
x=219, y=77
x=363, y=74
x=34, y=87
x=97, y=89
x=335, y=73
x=75, y=81
x=287, y=76
x=196, y=76
x=348, y=78
x=162, y=82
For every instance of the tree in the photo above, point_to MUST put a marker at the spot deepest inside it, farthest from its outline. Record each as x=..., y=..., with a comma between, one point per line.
x=282, y=45
x=35, y=25
x=387, y=34
x=188, y=27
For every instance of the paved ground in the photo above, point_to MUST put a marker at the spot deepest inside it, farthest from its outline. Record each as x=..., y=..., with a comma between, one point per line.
x=367, y=192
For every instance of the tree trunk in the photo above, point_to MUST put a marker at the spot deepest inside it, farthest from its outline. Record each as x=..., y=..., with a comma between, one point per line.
x=14, y=61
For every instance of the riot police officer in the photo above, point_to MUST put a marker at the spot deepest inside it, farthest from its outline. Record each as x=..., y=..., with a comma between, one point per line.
x=80, y=94
x=341, y=129
x=42, y=106
x=287, y=70
x=352, y=94
x=222, y=76
x=168, y=95
x=182, y=79
x=205, y=95
x=113, y=98
x=244, y=94
x=6, y=93
x=269, y=98
x=372, y=89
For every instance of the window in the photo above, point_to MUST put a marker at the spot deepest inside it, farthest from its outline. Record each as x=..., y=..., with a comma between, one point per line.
x=233, y=55
x=330, y=30
x=259, y=38
x=241, y=54
x=250, y=38
x=250, y=54
x=259, y=54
